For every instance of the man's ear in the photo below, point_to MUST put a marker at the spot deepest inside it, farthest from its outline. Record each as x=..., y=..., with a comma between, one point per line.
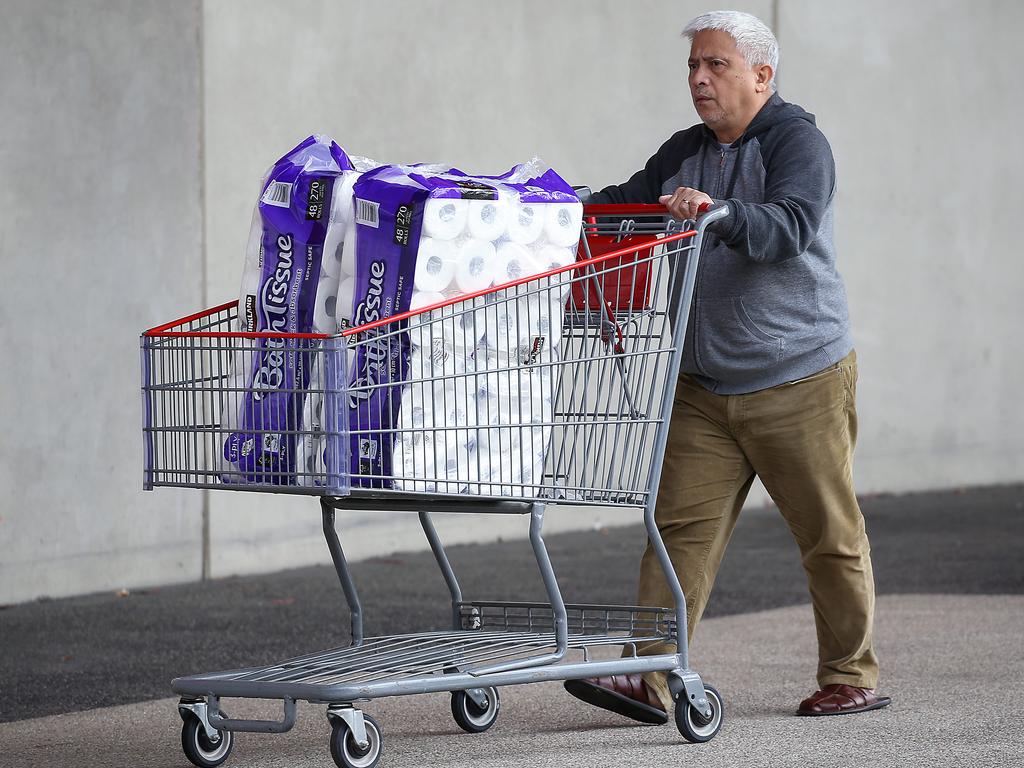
x=764, y=75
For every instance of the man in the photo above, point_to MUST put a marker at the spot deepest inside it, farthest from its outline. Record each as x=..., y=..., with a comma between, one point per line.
x=768, y=373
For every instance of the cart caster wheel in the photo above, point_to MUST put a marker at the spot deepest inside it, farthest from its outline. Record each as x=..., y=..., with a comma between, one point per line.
x=470, y=716
x=200, y=748
x=693, y=726
x=346, y=752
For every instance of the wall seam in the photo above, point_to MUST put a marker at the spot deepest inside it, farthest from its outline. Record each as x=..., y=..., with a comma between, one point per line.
x=775, y=30
x=204, y=277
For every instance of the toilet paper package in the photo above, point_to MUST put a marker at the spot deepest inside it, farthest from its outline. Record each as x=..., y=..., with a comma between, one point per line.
x=436, y=234
x=290, y=284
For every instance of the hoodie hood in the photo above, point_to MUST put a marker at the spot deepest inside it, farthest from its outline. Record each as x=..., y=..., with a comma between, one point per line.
x=774, y=112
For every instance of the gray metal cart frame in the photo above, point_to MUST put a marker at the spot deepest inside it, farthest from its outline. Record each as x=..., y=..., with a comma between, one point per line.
x=490, y=644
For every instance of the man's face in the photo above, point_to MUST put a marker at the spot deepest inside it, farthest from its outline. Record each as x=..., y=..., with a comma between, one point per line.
x=726, y=92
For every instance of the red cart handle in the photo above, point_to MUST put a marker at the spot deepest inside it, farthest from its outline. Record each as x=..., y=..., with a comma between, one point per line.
x=633, y=209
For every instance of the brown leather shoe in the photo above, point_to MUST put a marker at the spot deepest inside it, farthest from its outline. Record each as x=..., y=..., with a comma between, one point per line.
x=626, y=695
x=839, y=699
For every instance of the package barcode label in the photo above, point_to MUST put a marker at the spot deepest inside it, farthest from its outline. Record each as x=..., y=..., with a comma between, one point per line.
x=278, y=193
x=368, y=213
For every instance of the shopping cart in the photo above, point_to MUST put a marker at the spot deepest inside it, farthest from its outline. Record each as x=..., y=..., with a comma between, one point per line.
x=552, y=390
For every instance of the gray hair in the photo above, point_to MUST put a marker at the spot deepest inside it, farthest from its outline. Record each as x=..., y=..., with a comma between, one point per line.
x=754, y=40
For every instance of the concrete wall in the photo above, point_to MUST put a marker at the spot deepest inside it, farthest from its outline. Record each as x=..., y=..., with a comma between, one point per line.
x=927, y=168
x=924, y=134
x=100, y=236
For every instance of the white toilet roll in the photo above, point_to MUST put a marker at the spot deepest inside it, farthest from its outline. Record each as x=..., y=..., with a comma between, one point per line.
x=445, y=219
x=435, y=265
x=330, y=260
x=422, y=326
x=436, y=360
x=555, y=257
x=347, y=256
x=341, y=205
x=309, y=442
x=474, y=265
x=494, y=378
x=461, y=326
x=562, y=222
x=309, y=464
x=507, y=328
x=487, y=219
x=325, y=309
x=543, y=318
x=413, y=463
x=513, y=262
x=525, y=223
x=344, y=309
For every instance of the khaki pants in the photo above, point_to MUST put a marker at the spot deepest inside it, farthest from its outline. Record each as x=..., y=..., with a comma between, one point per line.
x=799, y=439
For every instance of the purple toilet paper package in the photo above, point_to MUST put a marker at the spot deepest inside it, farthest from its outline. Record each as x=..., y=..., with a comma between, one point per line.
x=279, y=292
x=389, y=213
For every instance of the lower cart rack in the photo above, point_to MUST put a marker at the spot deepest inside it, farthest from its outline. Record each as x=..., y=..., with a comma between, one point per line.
x=443, y=661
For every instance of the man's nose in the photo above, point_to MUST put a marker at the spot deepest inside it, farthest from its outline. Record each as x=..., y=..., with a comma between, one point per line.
x=698, y=76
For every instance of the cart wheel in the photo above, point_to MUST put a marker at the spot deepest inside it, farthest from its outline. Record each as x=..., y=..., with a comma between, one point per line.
x=470, y=716
x=693, y=725
x=200, y=748
x=344, y=750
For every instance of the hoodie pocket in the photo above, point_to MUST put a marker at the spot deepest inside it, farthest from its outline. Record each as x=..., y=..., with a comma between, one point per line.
x=731, y=342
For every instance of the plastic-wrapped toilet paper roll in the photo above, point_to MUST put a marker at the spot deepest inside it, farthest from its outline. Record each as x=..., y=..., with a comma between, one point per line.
x=347, y=257
x=530, y=407
x=445, y=219
x=506, y=470
x=341, y=205
x=346, y=297
x=543, y=318
x=309, y=442
x=474, y=265
x=513, y=262
x=487, y=219
x=421, y=327
x=562, y=223
x=494, y=375
x=525, y=222
x=456, y=469
x=507, y=327
x=555, y=257
x=435, y=361
x=326, y=306
x=309, y=465
x=416, y=399
x=413, y=463
x=435, y=265
x=462, y=325
x=330, y=261
x=235, y=390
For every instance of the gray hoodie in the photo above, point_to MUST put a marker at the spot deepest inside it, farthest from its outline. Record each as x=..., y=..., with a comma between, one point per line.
x=769, y=306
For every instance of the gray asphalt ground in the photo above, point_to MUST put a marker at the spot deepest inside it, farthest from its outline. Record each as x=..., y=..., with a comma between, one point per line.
x=950, y=662
x=950, y=622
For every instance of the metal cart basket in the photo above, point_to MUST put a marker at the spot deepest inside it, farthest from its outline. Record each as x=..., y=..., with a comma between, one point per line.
x=552, y=390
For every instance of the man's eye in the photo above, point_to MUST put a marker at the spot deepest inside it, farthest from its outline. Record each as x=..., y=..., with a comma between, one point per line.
x=717, y=63
x=691, y=65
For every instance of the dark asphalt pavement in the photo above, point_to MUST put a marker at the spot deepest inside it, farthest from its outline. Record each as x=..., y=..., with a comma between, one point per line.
x=102, y=650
